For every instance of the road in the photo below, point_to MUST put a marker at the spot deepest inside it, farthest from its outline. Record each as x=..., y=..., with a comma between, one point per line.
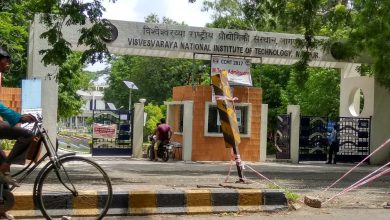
x=304, y=179
x=305, y=213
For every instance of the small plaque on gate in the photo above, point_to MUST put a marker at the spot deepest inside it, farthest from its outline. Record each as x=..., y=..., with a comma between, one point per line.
x=363, y=123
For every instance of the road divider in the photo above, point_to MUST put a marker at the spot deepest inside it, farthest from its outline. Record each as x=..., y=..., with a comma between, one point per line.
x=170, y=201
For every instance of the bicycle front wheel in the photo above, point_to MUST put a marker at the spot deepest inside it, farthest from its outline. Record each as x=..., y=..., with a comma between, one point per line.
x=74, y=188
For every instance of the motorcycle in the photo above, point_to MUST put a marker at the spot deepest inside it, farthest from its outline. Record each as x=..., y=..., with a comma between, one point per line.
x=163, y=151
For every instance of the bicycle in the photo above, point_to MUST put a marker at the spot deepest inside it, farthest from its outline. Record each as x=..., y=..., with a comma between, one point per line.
x=63, y=183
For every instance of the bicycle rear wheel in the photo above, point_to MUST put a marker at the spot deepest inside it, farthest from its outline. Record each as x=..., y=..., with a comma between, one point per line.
x=92, y=195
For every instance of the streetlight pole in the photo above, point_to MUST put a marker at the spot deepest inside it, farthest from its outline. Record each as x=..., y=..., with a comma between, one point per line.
x=131, y=86
x=130, y=101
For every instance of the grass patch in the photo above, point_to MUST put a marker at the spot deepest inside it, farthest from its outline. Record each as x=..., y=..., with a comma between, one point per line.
x=290, y=195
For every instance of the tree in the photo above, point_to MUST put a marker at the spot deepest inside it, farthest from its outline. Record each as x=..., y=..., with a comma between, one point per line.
x=283, y=85
x=154, y=114
x=154, y=77
x=273, y=80
x=353, y=27
x=13, y=37
x=15, y=16
x=320, y=96
x=71, y=78
x=57, y=14
x=371, y=32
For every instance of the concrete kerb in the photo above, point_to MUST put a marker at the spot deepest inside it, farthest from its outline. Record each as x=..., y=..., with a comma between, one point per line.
x=168, y=201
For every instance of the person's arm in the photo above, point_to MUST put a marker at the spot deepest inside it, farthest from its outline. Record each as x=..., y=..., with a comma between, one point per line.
x=9, y=115
x=169, y=134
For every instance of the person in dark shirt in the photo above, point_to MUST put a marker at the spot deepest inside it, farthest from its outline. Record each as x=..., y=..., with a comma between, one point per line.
x=163, y=135
x=333, y=145
x=10, y=129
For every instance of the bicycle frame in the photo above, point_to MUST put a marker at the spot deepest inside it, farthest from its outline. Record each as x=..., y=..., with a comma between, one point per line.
x=51, y=153
x=57, y=167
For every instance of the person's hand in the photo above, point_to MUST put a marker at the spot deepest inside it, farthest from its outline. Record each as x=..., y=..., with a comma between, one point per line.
x=28, y=118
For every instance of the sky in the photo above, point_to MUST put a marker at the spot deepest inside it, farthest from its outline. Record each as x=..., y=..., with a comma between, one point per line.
x=137, y=10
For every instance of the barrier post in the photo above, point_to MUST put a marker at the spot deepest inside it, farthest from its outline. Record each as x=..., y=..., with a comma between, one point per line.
x=228, y=118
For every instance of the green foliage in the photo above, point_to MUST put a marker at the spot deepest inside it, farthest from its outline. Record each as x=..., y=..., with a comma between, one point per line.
x=371, y=33
x=7, y=144
x=71, y=78
x=13, y=37
x=154, y=114
x=271, y=149
x=89, y=121
x=272, y=79
x=319, y=96
x=154, y=77
x=15, y=18
x=59, y=14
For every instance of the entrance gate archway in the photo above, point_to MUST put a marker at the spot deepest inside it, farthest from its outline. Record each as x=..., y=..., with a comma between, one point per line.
x=160, y=40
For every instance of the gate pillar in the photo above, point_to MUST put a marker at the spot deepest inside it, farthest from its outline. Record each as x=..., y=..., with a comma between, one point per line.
x=138, y=130
x=380, y=124
x=263, y=132
x=355, y=89
x=295, y=112
x=37, y=70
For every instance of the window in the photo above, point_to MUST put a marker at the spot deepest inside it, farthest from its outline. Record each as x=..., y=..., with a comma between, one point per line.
x=181, y=118
x=213, y=123
x=177, y=111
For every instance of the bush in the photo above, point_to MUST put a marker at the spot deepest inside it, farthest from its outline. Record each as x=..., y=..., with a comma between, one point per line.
x=154, y=114
x=271, y=149
x=7, y=144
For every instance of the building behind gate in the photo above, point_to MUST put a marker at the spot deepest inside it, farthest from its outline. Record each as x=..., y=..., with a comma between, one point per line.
x=195, y=122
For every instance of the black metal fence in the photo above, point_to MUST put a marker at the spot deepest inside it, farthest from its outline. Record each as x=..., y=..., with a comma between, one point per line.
x=353, y=137
x=313, y=138
x=113, y=132
x=282, y=137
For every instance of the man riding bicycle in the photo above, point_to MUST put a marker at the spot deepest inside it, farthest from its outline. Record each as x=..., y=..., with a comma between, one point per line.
x=10, y=129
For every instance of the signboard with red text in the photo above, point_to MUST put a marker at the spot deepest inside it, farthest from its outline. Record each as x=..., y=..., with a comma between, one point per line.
x=238, y=69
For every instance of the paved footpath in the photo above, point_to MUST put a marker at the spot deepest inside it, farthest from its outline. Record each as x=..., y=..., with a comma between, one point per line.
x=129, y=174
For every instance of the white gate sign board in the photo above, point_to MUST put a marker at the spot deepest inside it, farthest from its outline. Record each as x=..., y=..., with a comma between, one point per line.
x=238, y=69
x=180, y=41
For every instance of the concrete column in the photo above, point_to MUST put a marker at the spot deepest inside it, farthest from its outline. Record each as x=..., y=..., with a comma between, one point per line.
x=294, y=136
x=376, y=104
x=263, y=132
x=37, y=70
x=187, y=130
x=138, y=130
x=170, y=115
x=380, y=125
x=350, y=85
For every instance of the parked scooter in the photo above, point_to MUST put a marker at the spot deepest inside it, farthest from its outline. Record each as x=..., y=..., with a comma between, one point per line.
x=163, y=150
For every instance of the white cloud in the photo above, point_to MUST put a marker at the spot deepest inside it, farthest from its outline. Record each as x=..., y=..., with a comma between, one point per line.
x=177, y=10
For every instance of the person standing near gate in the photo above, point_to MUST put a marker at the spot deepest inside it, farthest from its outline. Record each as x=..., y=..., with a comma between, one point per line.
x=333, y=145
